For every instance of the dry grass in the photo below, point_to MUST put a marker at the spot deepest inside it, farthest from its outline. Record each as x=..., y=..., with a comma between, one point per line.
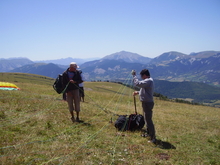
x=36, y=129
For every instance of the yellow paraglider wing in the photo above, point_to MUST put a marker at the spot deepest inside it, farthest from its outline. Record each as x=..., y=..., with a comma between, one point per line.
x=8, y=86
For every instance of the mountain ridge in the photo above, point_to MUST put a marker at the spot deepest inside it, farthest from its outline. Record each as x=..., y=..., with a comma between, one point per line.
x=66, y=61
x=128, y=57
x=49, y=70
x=172, y=66
x=11, y=63
x=175, y=66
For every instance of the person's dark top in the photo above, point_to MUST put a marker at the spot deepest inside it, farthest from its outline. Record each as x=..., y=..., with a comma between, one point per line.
x=75, y=76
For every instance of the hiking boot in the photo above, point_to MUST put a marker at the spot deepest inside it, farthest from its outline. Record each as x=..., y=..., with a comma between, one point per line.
x=78, y=120
x=73, y=119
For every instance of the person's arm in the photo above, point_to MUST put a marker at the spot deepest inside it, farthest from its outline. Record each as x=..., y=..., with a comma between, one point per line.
x=141, y=84
x=82, y=77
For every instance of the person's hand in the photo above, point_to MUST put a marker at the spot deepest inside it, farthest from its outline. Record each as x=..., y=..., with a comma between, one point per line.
x=72, y=81
x=135, y=93
x=133, y=72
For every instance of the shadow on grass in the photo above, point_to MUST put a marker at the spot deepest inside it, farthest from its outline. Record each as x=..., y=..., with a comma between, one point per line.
x=164, y=145
x=84, y=123
x=159, y=143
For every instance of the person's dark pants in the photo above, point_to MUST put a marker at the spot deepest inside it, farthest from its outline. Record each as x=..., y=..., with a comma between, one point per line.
x=147, y=113
x=81, y=92
x=64, y=96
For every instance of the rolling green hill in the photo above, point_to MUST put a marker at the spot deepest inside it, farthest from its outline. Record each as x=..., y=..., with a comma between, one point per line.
x=36, y=128
x=26, y=78
x=198, y=92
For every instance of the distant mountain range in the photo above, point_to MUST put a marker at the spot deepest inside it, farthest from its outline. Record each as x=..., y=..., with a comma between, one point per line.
x=186, y=70
x=49, y=70
x=66, y=61
x=12, y=63
x=173, y=66
x=168, y=57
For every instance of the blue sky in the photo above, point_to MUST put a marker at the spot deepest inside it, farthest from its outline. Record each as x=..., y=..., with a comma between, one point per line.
x=53, y=29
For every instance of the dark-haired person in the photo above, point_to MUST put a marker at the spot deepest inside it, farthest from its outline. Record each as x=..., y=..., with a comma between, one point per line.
x=146, y=97
x=81, y=88
x=73, y=77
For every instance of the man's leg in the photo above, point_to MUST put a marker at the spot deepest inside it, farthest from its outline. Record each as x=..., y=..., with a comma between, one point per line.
x=76, y=98
x=64, y=96
x=69, y=100
x=147, y=110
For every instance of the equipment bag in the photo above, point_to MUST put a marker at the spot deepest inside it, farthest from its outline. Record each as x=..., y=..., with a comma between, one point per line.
x=57, y=86
x=121, y=123
x=136, y=122
x=132, y=122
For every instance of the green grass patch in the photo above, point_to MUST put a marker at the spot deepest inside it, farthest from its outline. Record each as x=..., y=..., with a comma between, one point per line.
x=36, y=128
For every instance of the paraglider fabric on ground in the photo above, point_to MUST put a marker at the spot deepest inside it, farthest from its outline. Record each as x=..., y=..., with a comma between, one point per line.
x=8, y=86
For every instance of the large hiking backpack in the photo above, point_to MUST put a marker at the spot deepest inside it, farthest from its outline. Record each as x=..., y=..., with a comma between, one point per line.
x=132, y=122
x=57, y=86
x=136, y=122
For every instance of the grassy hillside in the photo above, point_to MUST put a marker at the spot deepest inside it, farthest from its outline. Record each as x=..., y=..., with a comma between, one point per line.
x=36, y=128
x=25, y=78
x=199, y=92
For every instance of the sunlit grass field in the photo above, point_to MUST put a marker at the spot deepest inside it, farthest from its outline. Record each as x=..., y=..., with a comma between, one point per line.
x=35, y=128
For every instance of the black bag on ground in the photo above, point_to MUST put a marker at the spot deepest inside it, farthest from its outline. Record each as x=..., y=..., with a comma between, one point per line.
x=132, y=122
x=121, y=123
x=57, y=86
x=136, y=122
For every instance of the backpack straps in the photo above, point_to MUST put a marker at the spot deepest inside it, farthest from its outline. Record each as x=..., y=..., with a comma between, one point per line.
x=65, y=87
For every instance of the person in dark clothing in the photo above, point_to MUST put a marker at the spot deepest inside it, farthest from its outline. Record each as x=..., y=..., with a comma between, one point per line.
x=72, y=78
x=146, y=98
x=81, y=88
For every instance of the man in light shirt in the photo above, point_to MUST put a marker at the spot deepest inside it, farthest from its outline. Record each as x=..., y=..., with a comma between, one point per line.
x=146, y=98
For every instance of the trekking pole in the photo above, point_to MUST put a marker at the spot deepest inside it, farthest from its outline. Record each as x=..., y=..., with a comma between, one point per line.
x=135, y=105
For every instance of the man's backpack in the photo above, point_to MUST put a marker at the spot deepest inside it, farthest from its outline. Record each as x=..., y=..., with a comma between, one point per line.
x=57, y=86
x=132, y=122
